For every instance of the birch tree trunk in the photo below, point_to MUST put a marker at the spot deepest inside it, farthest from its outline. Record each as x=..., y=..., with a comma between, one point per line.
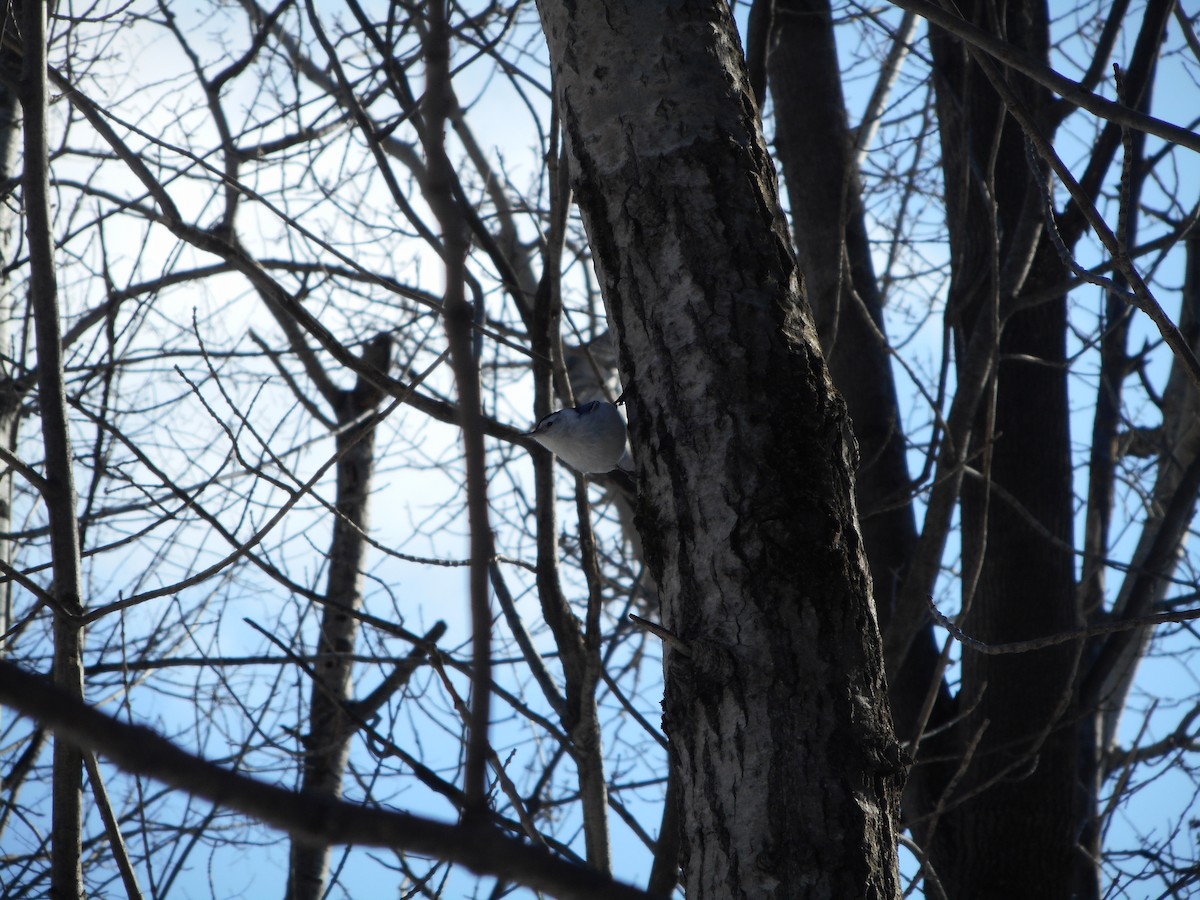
x=776, y=705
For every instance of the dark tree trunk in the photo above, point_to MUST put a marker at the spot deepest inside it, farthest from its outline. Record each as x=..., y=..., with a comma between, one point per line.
x=58, y=486
x=814, y=147
x=1014, y=828
x=1020, y=789
x=775, y=704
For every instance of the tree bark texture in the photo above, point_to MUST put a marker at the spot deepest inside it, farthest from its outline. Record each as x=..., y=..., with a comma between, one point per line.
x=1019, y=780
x=776, y=703
x=814, y=148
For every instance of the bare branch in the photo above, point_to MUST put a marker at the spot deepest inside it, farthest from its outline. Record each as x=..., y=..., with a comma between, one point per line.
x=1070, y=91
x=480, y=847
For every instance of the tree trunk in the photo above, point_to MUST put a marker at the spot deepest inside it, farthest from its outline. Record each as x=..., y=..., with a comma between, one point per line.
x=1019, y=789
x=814, y=147
x=775, y=703
x=331, y=728
x=1025, y=583
x=10, y=391
x=58, y=486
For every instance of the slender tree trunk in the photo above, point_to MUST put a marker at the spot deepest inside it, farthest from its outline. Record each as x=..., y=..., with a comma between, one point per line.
x=775, y=704
x=331, y=728
x=58, y=487
x=577, y=643
x=1171, y=510
x=10, y=391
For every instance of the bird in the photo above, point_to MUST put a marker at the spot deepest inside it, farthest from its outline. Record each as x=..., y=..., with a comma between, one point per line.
x=589, y=438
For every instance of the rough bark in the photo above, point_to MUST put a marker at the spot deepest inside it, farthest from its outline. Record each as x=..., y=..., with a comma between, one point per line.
x=815, y=150
x=775, y=703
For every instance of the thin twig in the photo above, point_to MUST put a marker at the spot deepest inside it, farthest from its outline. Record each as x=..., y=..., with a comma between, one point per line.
x=116, y=841
x=475, y=843
x=1064, y=637
x=27, y=471
x=1070, y=91
x=506, y=783
x=932, y=882
x=667, y=637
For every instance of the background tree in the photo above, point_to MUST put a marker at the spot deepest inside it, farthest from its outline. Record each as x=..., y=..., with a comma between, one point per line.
x=300, y=273
x=1019, y=747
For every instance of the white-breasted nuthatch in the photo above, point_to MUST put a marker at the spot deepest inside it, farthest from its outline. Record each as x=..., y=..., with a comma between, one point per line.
x=588, y=438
